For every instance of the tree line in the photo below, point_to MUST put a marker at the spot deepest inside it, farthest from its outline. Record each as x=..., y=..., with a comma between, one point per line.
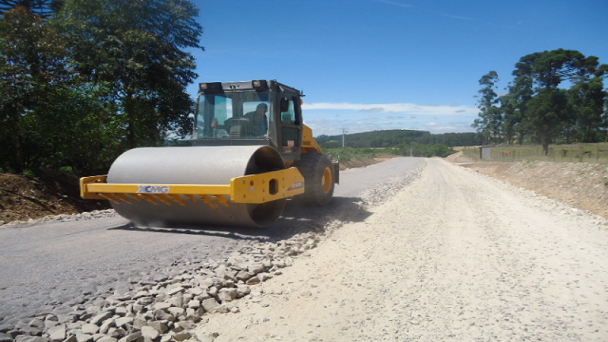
x=401, y=142
x=396, y=137
x=83, y=80
x=555, y=96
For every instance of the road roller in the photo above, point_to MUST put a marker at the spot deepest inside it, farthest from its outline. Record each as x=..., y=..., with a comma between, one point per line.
x=250, y=153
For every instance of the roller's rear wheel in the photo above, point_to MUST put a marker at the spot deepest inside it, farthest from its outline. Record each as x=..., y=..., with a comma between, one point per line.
x=318, y=173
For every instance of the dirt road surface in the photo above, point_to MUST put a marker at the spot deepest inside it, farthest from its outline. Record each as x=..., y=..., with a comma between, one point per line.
x=53, y=267
x=455, y=256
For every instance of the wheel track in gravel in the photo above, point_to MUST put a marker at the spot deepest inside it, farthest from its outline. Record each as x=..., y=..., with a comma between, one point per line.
x=455, y=256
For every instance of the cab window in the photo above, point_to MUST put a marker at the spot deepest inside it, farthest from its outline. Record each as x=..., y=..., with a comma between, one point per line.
x=290, y=117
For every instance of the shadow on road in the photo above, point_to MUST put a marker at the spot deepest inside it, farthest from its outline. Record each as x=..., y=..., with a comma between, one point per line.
x=234, y=233
x=296, y=219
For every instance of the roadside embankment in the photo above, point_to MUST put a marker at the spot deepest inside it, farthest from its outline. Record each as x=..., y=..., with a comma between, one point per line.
x=582, y=185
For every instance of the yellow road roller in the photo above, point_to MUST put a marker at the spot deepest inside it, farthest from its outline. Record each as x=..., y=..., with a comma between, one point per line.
x=250, y=152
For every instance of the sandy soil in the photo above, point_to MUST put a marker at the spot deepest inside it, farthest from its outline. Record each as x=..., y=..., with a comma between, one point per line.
x=455, y=256
x=581, y=185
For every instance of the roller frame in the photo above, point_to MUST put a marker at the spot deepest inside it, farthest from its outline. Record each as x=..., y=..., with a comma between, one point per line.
x=256, y=189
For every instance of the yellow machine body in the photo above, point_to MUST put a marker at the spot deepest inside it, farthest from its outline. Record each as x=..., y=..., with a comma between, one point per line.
x=236, y=173
x=259, y=188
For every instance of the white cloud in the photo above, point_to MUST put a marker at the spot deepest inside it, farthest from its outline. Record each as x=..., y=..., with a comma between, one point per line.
x=333, y=118
x=406, y=108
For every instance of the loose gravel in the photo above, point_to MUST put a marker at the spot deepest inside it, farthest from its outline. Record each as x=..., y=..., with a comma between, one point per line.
x=167, y=304
x=455, y=256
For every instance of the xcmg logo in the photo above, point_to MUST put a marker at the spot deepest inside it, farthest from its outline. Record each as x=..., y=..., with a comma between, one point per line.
x=152, y=189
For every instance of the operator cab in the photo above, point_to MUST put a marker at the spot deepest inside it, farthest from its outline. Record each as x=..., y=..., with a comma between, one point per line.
x=258, y=112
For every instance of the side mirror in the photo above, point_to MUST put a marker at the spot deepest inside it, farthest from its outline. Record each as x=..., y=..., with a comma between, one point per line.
x=284, y=104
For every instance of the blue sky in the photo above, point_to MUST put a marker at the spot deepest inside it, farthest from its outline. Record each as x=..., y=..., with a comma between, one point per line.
x=369, y=65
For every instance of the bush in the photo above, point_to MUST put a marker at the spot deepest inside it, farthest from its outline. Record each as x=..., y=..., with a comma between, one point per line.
x=419, y=150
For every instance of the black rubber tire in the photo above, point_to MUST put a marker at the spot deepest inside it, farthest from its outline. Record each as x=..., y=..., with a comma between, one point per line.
x=318, y=173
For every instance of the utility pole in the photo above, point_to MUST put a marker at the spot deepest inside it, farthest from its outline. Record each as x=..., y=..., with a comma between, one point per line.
x=343, y=134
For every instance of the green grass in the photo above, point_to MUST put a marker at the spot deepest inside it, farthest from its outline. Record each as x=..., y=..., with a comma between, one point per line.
x=574, y=153
x=349, y=155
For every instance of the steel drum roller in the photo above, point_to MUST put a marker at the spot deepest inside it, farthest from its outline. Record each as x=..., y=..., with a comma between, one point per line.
x=212, y=165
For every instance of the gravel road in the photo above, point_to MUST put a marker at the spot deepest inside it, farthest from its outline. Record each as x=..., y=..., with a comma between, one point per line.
x=454, y=256
x=54, y=267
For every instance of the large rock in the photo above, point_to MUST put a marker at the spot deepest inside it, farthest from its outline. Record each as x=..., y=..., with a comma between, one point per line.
x=57, y=333
x=33, y=327
x=227, y=274
x=256, y=268
x=163, y=315
x=105, y=326
x=28, y=338
x=244, y=275
x=145, y=301
x=50, y=322
x=123, y=311
x=175, y=290
x=82, y=337
x=194, y=304
x=123, y=321
x=182, y=336
x=264, y=276
x=227, y=294
x=177, y=301
x=100, y=318
x=210, y=305
x=67, y=318
x=253, y=281
x=197, y=291
x=159, y=326
x=133, y=337
x=175, y=311
x=161, y=306
x=141, y=294
x=148, y=332
x=242, y=290
x=90, y=328
x=5, y=337
x=140, y=322
x=107, y=339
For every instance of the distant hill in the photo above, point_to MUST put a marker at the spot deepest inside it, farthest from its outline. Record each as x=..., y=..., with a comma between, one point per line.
x=395, y=137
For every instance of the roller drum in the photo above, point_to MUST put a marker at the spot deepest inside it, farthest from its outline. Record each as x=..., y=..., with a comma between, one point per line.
x=211, y=165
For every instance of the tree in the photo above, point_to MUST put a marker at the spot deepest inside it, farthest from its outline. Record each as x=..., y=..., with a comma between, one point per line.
x=81, y=86
x=32, y=66
x=511, y=125
x=540, y=104
x=490, y=118
x=546, y=114
x=42, y=8
x=587, y=98
x=543, y=105
x=138, y=48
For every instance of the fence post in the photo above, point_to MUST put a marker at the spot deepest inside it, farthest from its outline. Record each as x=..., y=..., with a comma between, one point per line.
x=571, y=153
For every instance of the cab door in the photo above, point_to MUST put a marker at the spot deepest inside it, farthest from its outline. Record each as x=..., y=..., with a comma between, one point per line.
x=290, y=126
